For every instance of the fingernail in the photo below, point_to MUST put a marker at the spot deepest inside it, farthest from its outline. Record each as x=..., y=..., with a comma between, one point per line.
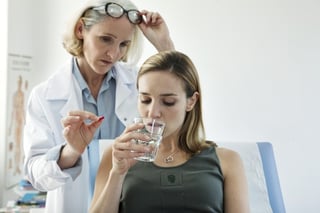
x=101, y=118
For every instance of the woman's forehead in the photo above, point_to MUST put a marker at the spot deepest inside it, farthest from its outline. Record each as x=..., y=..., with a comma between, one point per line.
x=156, y=80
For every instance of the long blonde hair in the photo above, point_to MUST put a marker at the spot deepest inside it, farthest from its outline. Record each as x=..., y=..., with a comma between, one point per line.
x=192, y=133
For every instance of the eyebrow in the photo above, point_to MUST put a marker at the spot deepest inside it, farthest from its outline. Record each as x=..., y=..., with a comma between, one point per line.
x=164, y=94
x=109, y=34
x=115, y=37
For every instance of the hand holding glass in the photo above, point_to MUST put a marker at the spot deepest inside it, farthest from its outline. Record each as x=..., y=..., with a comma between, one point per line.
x=154, y=129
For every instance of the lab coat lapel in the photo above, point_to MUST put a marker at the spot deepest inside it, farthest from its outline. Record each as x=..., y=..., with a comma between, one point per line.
x=74, y=99
x=122, y=93
x=126, y=95
x=69, y=90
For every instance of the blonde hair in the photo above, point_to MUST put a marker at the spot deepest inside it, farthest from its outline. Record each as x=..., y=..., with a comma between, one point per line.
x=192, y=133
x=91, y=17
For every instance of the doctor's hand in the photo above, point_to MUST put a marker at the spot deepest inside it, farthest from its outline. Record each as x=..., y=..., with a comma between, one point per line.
x=79, y=129
x=156, y=31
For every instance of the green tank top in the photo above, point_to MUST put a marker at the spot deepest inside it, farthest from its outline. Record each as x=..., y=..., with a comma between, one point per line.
x=195, y=186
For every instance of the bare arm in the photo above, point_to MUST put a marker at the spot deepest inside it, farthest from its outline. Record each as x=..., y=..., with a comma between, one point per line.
x=235, y=182
x=156, y=31
x=107, y=187
x=115, y=163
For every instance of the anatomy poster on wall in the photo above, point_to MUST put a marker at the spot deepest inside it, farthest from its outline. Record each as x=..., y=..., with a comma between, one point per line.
x=19, y=75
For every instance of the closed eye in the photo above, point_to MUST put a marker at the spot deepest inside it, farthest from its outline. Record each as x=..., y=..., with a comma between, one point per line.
x=145, y=101
x=168, y=103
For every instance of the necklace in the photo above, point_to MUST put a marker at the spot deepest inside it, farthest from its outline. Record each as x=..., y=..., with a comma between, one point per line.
x=170, y=157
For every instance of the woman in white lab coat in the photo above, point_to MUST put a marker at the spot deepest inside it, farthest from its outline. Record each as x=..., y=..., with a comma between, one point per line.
x=104, y=39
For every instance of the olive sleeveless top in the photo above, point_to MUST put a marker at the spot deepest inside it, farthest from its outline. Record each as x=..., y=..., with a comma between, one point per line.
x=195, y=186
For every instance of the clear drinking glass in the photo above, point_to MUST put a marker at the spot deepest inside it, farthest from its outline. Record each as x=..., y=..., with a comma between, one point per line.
x=154, y=129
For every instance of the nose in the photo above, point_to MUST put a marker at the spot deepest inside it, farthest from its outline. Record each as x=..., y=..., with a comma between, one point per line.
x=154, y=110
x=113, y=52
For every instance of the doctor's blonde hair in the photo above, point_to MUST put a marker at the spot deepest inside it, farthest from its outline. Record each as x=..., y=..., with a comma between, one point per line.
x=91, y=17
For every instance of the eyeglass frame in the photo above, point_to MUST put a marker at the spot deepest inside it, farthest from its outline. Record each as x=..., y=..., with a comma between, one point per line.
x=105, y=7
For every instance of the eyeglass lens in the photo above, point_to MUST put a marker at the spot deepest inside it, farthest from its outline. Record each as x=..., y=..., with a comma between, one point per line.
x=116, y=11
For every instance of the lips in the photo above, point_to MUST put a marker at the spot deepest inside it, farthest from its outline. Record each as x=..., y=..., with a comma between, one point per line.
x=106, y=62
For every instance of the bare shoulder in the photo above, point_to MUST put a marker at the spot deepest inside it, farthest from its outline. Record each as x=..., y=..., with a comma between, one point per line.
x=235, y=182
x=230, y=160
x=227, y=154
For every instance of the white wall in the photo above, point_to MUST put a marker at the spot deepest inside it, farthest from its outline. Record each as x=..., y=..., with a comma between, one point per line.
x=259, y=65
x=34, y=33
x=3, y=88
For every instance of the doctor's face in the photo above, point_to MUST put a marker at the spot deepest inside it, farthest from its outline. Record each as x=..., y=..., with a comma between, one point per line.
x=105, y=43
x=162, y=96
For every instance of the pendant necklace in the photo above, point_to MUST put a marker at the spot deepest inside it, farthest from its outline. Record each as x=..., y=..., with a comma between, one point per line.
x=170, y=157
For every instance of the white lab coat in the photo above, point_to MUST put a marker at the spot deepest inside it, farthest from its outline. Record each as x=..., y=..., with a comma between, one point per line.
x=49, y=102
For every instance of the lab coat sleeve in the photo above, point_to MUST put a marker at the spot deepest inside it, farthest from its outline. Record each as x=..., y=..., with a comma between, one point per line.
x=42, y=144
x=45, y=174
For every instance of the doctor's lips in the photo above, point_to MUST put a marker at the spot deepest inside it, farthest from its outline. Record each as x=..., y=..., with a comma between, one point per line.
x=101, y=118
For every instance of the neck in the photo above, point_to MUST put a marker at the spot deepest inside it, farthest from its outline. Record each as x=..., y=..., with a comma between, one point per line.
x=94, y=80
x=170, y=157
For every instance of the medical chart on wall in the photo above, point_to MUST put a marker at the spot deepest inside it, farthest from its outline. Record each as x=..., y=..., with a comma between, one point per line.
x=19, y=75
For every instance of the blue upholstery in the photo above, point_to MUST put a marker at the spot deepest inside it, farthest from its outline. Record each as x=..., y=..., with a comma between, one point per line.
x=265, y=194
x=271, y=177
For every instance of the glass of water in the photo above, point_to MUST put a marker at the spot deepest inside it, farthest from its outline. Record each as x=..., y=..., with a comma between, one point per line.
x=154, y=129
